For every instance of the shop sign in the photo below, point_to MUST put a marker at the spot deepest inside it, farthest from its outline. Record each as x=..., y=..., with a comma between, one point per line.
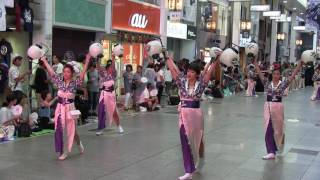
x=304, y=3
x=175, y=16
x=132, y=16
x=139, y=21
x=260, y=8
x=192, y=32
x=176, y=30
x=244, y=39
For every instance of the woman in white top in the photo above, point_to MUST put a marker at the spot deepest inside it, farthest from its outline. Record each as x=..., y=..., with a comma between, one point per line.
x=7, y=120
x=160, y=81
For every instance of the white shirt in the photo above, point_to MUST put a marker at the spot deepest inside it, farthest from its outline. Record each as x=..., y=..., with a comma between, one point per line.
x=14, y=73
x=9, y=3
x=58, y=68
x=3, y=26
x=144, y=95
x=5, y=115
x=159, y=74
x=167, y=76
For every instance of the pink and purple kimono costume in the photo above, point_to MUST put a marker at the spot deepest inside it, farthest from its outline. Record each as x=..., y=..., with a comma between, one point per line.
x=191, y=121
x=63, y=119
x=316, y=91
x=251, y=84
x=274, y=115
x=107, y=101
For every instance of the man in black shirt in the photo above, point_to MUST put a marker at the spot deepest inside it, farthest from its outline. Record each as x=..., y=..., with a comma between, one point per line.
x=41, y=80
x=5, y=52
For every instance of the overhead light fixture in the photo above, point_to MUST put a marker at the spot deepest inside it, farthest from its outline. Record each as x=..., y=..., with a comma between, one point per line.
x=284, y=2
x=275, y=17
x=245, y=25
x=175, y=5
x=281, y=36
x=301, y=13
x=299, y=42
x=294, y=8
x=260, y=8
x=272, y=13
x=299, y=28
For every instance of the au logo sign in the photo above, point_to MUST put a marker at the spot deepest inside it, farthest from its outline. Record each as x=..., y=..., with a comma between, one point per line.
x=139, y=21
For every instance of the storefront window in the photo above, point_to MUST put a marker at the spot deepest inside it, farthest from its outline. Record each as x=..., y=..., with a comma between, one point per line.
x=175, y=5
x=214, y=18
x=155, y=2
x=223, y=18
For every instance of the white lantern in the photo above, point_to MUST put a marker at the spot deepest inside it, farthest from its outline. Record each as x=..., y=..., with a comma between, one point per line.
x=118, y=50
x=35, y=52
x=229, y=57
x=95, y=50
x=309, y=56
x=76, y=66
x=154, y=48
x=252, y=49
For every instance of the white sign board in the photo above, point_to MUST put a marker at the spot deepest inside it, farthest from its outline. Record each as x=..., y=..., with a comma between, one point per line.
x=272, y=13
x=177, y=30
x=260, y=8
x=244, y=41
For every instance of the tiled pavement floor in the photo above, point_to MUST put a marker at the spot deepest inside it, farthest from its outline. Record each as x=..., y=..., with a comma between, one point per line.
x=150, y=148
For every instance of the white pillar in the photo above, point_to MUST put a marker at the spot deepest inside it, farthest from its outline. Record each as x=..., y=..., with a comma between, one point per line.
x=293, y=38
x=108, y=16
x=44, y=20
x=236, y=7
x=255, y=17
x=273, y=38
x=315, y=40
x=163, y=22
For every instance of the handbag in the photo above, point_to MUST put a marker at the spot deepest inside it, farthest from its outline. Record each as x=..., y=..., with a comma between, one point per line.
x=24, y=130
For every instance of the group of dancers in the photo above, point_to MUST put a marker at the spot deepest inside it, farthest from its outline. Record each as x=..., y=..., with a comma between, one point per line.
x=191, y=119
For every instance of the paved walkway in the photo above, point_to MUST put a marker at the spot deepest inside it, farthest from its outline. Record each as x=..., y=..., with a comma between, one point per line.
x=150, y=148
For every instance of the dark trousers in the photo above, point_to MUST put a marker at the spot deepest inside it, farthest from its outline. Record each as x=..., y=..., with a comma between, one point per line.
x=93, y=100
x=160, y=91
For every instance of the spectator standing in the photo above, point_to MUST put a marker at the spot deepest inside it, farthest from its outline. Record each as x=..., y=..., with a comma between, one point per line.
x=40, y=83
x=167, y=81
x=127, y=79
x=137, y=86
x=93, y=88
x=57, y=65
x=160, y=81
x=151, y=75
x=15, y=76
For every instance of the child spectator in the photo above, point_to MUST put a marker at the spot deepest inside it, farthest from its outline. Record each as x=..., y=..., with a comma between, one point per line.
x=45, y=110
x=149, y=99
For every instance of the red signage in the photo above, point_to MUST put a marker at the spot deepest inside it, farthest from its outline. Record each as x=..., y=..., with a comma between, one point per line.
x=126, y=53
x=136, y=17
x=136, y=53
